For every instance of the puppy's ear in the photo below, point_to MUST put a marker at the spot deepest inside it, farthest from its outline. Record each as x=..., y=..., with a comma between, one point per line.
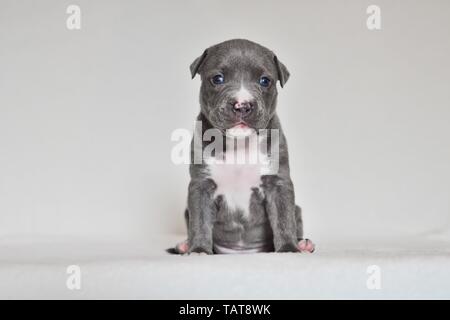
x=195, y=66
x=283, y=73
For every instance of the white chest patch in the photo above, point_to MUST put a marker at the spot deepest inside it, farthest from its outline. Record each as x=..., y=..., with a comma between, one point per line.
x=236, y=174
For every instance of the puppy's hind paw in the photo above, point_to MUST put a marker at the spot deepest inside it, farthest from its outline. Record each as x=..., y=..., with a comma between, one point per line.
x=184, y=248
x=180, y=248
x=306, y=245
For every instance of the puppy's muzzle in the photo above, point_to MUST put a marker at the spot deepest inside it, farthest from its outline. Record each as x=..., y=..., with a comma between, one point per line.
x=242, y=109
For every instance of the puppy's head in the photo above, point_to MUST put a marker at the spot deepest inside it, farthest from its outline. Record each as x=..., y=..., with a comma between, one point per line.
x=238, y=88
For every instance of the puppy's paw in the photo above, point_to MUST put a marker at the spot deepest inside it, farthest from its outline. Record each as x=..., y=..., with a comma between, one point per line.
x=196, y=254
x=185, y=248
x=199, y=250
x=306, y=245
x=288, y=247
x=182, y=247
x=198, y=247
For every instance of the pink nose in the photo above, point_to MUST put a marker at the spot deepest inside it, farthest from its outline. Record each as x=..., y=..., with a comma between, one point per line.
x=242, y=108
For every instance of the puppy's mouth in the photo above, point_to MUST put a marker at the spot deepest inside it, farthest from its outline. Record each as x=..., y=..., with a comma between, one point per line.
x=239, y=130
x=241, y=125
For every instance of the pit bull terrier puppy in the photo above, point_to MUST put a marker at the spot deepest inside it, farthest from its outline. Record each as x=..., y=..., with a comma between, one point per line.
x=241, y=207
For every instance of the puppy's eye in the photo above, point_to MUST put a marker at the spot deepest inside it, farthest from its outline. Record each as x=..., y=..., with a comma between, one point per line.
x=264, y=81
x=218, y=79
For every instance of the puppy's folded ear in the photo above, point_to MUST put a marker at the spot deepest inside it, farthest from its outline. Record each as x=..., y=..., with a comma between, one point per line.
x=195, y=66
x=283, y=73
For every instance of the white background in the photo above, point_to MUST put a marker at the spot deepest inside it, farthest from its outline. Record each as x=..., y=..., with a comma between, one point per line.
x=86, y=116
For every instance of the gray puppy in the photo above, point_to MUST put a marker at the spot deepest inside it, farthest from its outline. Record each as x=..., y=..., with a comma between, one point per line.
x=241, y=208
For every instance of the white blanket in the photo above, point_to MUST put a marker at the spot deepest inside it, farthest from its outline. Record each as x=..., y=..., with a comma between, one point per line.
x=418, y=267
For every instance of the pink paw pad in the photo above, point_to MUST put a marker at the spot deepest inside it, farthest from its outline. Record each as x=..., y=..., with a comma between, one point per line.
x=306, y=245
x=182, y=247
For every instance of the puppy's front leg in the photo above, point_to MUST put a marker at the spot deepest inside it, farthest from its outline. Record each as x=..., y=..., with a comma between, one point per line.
x=201, y=215
x=280, y=208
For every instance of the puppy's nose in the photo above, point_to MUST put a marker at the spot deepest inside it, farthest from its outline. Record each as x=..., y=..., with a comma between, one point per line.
x=243, y=108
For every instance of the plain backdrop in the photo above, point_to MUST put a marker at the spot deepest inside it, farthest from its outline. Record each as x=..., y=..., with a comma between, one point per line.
x=86, y=115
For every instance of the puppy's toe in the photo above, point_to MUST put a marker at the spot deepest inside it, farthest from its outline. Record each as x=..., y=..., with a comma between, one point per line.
x=306, y=245
x=182, y=247
x=199, y=250
x=193, y=253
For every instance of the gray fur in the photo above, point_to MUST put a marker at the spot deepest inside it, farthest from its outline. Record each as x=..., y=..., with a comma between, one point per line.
x=274, y=222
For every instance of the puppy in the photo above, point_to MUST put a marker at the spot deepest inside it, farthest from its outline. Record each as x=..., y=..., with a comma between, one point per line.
x=247, y=206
